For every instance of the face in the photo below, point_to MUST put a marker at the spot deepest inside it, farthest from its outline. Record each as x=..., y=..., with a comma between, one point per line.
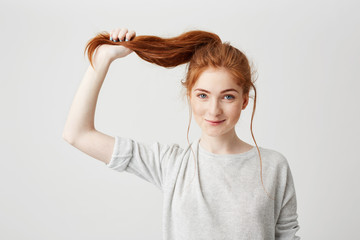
x=216, y=102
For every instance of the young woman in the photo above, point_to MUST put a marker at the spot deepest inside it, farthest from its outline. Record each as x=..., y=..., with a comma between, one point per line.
x=219, y=187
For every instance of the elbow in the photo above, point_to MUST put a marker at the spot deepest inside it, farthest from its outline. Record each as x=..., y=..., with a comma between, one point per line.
x=68, y=137
x=72, y=137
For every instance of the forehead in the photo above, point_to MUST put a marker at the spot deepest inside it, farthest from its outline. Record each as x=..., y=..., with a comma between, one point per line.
x=216, y=80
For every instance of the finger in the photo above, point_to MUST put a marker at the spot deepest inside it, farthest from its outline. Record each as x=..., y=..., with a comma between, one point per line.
x=122, y=34
x=111, y=34
x=115, y=34
x=130, y=35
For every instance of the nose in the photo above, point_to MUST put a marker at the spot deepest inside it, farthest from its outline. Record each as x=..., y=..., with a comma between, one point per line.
x=215, y=108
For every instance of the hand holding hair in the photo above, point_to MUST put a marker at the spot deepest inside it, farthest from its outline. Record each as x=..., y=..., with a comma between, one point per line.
x=107, y=45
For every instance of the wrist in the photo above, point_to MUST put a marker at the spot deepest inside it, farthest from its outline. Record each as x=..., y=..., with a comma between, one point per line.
x=102, y=59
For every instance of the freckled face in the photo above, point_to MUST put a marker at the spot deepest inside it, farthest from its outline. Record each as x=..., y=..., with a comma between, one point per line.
x=216, y=102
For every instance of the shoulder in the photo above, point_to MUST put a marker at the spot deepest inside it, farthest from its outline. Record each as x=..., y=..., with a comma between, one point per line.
x=166, y=148
x=133, y=145
x=274, y=158
x=277, y=164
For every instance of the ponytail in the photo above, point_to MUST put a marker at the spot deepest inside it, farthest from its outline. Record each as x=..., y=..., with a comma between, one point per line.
x=165, y=52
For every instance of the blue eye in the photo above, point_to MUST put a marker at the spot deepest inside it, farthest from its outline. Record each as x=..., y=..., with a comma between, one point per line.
x=201, y=94
x=232, y=97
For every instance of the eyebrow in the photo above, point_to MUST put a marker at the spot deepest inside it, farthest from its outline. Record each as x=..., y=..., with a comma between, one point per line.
x=226, y=90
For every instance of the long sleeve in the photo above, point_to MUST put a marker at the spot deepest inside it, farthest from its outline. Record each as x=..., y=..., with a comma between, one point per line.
x=287, y=224
x=149, y=162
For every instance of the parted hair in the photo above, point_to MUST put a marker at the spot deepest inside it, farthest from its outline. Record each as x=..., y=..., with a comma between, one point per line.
x=198, y=49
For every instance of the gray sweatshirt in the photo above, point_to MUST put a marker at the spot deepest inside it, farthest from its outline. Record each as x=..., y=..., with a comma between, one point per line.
x=221, y=197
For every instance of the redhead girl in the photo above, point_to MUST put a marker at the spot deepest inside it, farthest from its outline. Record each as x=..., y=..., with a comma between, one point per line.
x=217, y=187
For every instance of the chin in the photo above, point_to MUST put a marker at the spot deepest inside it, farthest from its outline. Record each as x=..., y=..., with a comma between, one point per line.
x=212, y=133
x=216, y=132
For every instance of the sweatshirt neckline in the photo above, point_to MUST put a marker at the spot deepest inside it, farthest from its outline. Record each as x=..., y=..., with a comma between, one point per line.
x=243, y=155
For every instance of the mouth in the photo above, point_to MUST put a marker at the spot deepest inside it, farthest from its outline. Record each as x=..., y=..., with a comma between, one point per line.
x=215, y=121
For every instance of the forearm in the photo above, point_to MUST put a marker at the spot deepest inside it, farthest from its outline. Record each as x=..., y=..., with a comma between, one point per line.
x=82, y=111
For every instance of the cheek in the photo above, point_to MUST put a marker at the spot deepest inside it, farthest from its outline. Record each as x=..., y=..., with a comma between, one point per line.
x=197, y=108
x=234, y=111
x=198, y=112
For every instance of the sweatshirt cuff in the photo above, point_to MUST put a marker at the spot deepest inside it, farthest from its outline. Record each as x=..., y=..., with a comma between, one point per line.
x=121, y=155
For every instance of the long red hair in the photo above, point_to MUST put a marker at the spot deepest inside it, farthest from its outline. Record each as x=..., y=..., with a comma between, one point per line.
x=200, y=50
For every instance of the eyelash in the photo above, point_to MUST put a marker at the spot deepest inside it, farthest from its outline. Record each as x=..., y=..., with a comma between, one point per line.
x=225, y=95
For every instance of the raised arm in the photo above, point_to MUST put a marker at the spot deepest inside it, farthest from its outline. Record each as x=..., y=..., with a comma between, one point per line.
x=79, y=129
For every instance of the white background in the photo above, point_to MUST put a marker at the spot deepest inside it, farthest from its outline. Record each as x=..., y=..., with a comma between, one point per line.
x=307, y=55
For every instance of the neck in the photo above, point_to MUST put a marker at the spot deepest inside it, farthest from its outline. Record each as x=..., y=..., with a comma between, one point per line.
x=224, y=144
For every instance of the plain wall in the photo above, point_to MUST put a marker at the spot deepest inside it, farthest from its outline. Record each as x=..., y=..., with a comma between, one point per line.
x=307, y=56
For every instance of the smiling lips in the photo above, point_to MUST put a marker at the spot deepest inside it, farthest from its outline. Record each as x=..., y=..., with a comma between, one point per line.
x=214, y=123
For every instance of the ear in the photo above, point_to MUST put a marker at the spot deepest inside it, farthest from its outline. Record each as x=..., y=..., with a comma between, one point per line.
x=246, y=101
